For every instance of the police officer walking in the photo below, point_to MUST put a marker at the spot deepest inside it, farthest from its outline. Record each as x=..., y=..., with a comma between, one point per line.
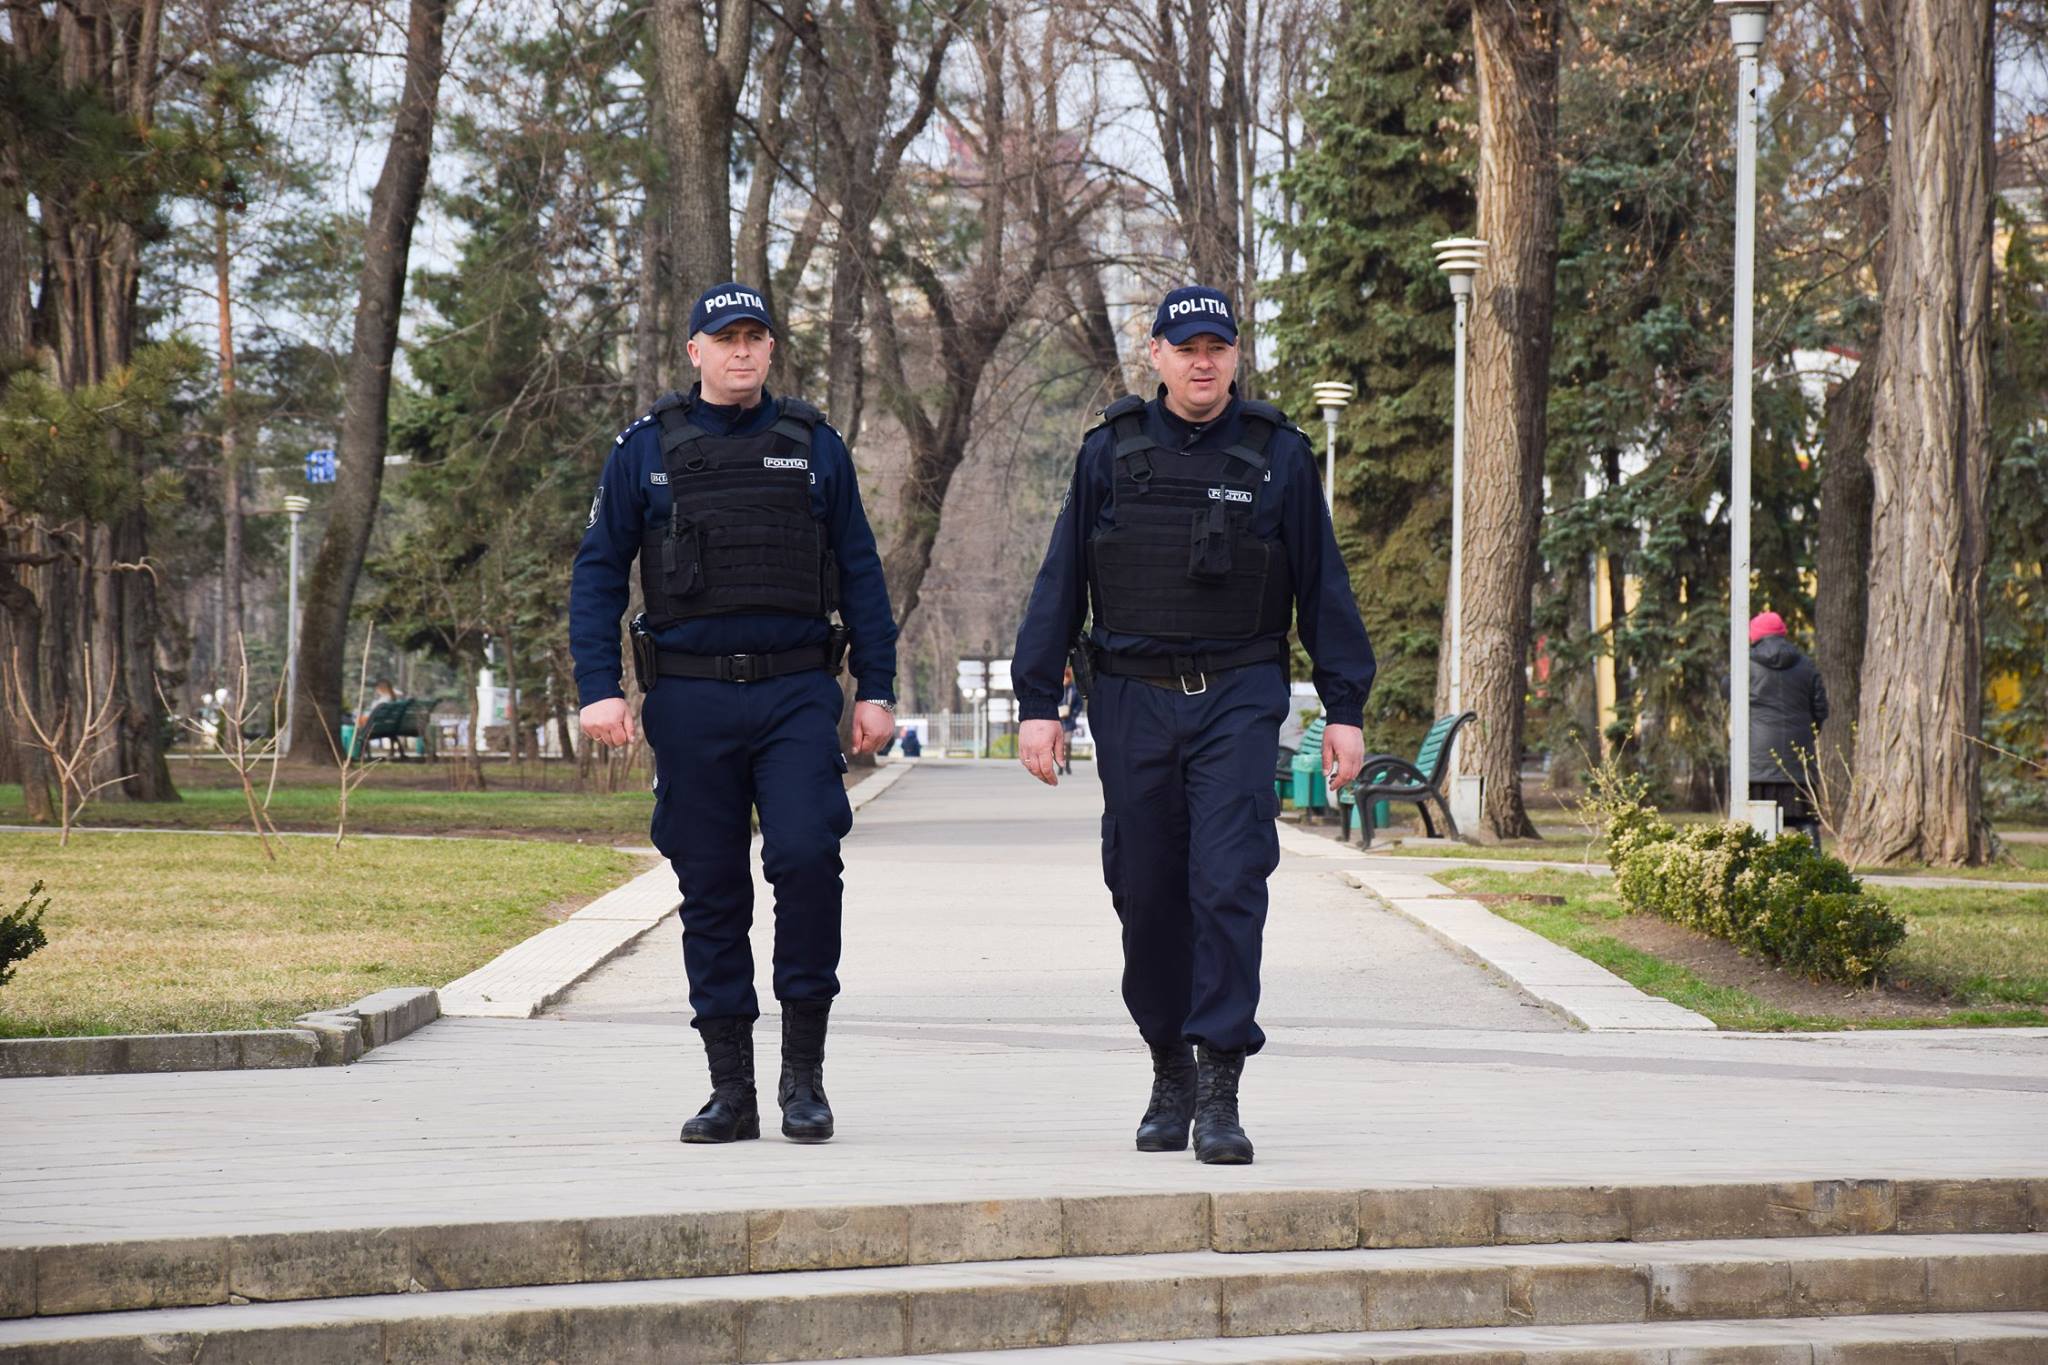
x=1196, y=524
x=746, y=518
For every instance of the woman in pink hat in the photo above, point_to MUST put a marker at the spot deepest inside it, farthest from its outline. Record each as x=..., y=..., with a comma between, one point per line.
x=1787, y=703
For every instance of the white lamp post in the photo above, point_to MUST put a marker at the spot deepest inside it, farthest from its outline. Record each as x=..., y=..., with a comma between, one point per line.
x=1331, y=396
x=295, y=506
x=1460, y=258
x=1746, y=23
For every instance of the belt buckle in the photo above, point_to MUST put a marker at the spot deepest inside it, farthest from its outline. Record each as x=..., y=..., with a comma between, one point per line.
x=1183, y=669
x=741, y=666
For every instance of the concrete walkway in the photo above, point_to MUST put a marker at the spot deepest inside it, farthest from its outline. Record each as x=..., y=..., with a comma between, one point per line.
x=982, y=1052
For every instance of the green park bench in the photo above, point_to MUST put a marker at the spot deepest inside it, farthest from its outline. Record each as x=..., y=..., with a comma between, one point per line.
x=1305, y=773
x=398, y=720
x=1389, y=777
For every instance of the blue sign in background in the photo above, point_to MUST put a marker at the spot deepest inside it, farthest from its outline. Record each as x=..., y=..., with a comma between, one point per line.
x=320, y=466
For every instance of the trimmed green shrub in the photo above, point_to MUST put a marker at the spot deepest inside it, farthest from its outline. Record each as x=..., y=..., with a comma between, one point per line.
x=21, y=932
x=1781, y=899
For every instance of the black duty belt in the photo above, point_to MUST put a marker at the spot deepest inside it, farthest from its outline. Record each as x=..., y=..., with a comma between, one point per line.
x=743, y=667
x=1188, y=672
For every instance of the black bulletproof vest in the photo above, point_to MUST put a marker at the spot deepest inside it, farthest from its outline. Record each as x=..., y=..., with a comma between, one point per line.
x=740, y=534
x=1179, y=560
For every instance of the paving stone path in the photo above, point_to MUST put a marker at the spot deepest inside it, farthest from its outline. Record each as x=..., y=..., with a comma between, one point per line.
x=982, y=1052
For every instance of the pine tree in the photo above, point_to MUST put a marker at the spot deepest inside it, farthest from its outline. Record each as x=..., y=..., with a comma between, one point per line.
x=1389, y=172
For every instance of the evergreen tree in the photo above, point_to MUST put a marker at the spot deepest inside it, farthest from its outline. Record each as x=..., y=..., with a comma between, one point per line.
x=1389, y=172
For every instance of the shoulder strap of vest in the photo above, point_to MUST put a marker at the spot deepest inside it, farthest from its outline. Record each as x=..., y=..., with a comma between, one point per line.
x=797, y=421
x=679, y=436
x=1261, y=420
x=1126, y=419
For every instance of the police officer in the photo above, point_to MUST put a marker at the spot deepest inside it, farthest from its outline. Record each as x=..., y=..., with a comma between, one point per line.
x=745, y=515
x=1196, y=524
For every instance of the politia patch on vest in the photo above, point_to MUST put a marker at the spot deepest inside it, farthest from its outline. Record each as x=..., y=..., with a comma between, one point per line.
x=657, y=476
x=1230, y=495
x=784, y=462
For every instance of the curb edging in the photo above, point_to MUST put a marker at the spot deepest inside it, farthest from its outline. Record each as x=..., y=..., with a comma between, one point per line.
x=333, y=1037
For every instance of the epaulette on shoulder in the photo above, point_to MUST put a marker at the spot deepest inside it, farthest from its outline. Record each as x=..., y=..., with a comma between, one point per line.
x=1123, y=406
x=661, y=405
x=801, y=411
x=1266, y=412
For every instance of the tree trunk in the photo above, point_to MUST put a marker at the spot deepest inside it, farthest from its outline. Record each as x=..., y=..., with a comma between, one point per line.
x=387, y=241
x=15, y=334
x=23, y=641
x=700, y=89
x=1841, y=573
x=1517, y=48
x=1917, y=793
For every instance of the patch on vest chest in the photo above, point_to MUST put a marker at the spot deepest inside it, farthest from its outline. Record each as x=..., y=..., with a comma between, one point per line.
x=784, y=462
x=1239, y=495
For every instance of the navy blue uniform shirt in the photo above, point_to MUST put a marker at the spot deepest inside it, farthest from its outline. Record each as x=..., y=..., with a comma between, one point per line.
x=630, y=502
x=1288, y=508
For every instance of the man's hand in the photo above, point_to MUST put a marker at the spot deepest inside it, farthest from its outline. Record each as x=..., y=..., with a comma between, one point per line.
x=1343, y=755
x=1042, y=748
x=608, y=722
x=872, y=726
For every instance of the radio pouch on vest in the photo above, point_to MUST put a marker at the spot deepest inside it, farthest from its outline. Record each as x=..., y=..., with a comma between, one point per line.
x=1209, y=558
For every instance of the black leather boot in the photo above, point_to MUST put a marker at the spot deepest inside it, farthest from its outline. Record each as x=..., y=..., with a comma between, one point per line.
x=1219, y=1139
x=806, y=1113
x=1165, y=1125
x=732, y=1113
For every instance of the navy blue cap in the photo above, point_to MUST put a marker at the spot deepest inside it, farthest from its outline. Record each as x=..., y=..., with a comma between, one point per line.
x=720, y=306
x=1192, y=310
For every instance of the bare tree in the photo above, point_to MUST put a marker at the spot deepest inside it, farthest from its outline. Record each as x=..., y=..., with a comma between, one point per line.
x=1917, y=791
x=852, y=61
x=700, y=64
x=75, y=742
x=1031, y=193
x=231, y=736
x=1517, y=46
x=365, y=423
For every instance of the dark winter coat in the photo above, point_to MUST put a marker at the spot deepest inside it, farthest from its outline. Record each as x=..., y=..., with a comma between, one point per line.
x=1787, y=703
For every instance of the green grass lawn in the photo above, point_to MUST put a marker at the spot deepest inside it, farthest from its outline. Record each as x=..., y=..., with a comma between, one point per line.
x=382, y=810
x=181, y=932
x=2029, y=862
x=1986, y=951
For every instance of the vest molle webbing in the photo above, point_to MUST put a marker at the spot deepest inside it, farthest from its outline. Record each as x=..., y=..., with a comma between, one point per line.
x=740, y=535
x=1180, y=560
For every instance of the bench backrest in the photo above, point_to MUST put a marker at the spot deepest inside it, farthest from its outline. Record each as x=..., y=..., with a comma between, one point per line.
x=1435, y=752
x=1312, y=737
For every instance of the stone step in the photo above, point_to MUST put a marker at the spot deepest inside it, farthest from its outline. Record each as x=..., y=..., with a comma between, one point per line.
x=1923, y=1339
x=278, y=1266
x=1079, y=1300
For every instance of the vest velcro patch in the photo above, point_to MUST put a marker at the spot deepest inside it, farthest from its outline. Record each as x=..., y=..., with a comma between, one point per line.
x=1230, y=495
x=784, y=462
x=657, y=476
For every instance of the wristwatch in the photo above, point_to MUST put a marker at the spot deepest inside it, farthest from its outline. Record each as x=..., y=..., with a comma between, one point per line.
x=888, y=706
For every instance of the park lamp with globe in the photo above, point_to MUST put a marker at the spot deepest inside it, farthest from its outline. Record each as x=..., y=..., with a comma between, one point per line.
x=1747, y=20
x=1331, y=396
x=1460, y=258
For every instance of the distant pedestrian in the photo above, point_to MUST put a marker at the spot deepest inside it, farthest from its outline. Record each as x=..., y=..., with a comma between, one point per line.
x=1070, y=717
x=1787, y=703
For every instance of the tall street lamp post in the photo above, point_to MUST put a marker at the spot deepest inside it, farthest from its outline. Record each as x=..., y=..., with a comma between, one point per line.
x=1331, y=396
x=1460, y=258
x=295, y=506
x=1746, y=23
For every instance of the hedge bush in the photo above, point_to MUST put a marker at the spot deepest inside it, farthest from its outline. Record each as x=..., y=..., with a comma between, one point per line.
x=1781, y=899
